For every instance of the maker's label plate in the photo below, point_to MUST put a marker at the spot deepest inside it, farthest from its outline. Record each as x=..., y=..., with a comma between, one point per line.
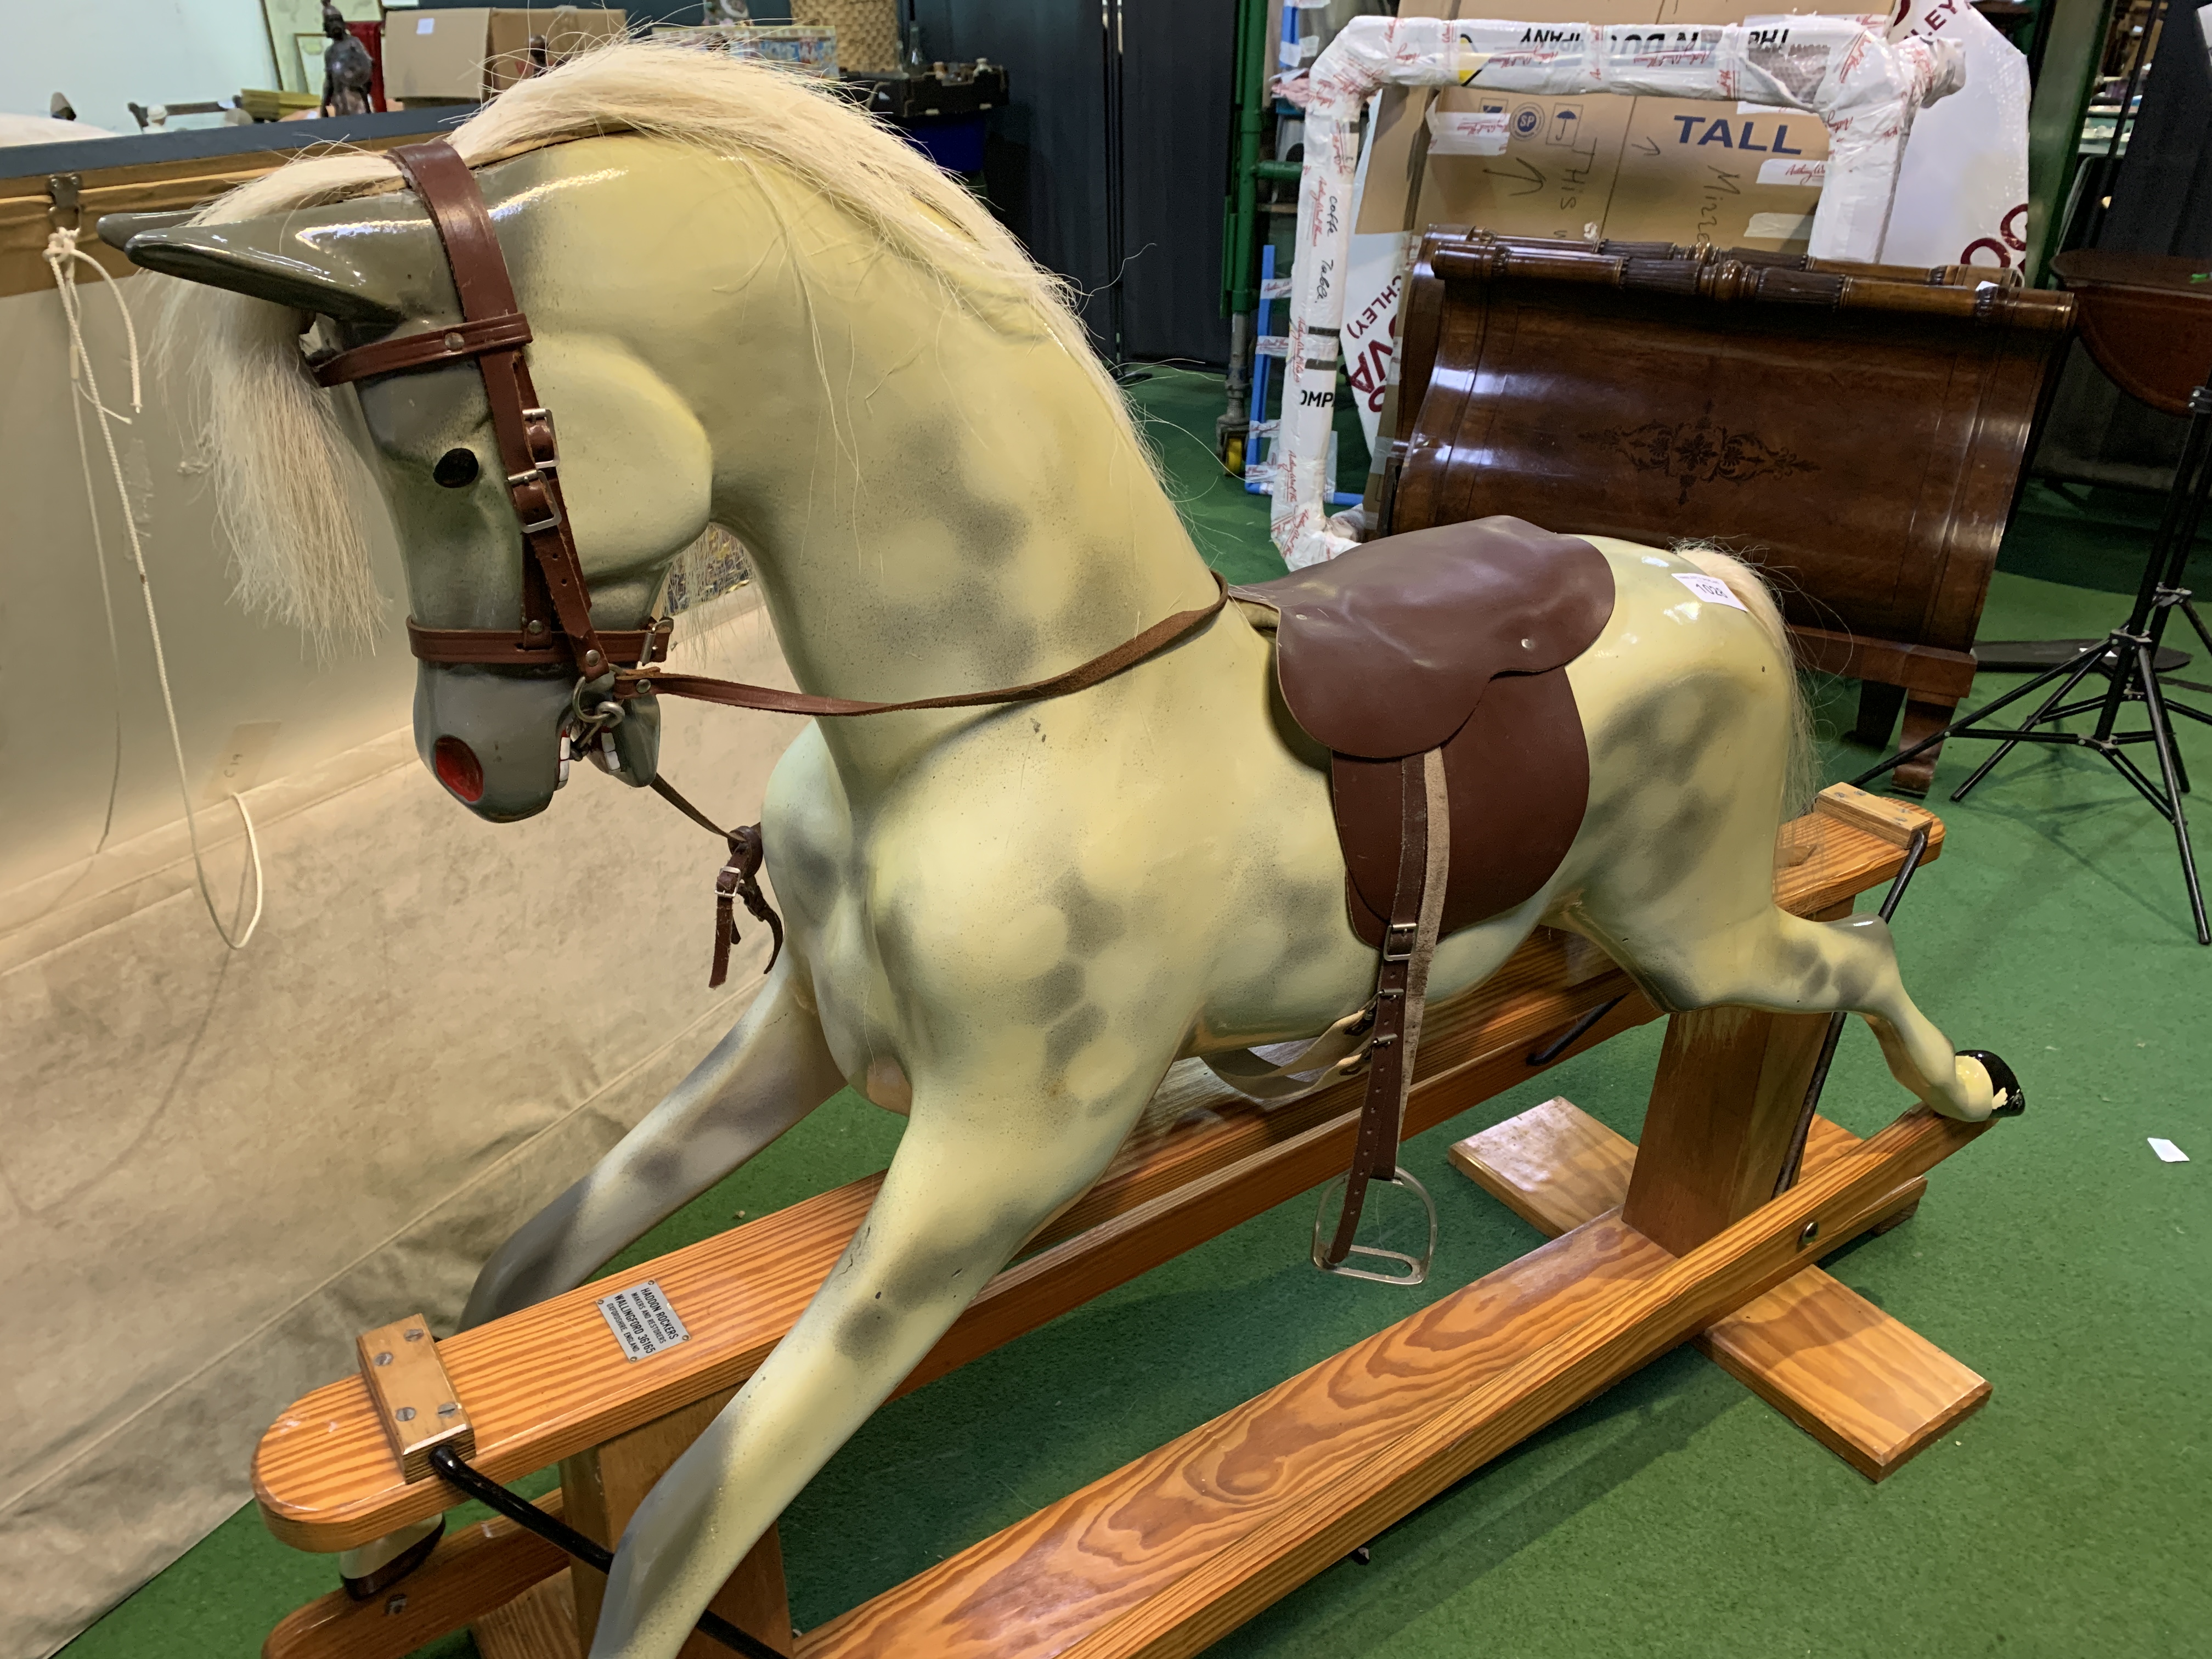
x=642, y=1320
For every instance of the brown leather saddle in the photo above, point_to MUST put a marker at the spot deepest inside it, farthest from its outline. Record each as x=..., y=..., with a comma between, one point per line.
x=1432, y=667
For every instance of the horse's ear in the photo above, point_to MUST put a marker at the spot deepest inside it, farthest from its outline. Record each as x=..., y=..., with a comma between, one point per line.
x=358, y=277
x=116, y=229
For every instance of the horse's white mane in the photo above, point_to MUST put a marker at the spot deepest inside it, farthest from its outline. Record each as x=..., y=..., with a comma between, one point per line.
x=279, y=461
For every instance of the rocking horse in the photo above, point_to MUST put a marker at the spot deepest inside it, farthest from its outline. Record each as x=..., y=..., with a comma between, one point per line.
x=1066, y=816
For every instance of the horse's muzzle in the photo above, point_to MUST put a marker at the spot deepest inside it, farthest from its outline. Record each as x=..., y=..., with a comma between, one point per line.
x=492, y=737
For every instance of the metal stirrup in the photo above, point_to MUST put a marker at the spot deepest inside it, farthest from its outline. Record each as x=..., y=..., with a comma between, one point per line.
x=1416, y=1267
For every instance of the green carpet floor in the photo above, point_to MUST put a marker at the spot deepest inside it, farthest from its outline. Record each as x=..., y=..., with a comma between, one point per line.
x=1676, y=1515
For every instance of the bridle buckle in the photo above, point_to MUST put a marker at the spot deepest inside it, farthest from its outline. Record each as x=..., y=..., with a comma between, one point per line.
x=535, y=479
x=544, y=456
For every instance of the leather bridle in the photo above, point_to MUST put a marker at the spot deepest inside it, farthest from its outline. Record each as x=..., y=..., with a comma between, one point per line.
x=556, y=627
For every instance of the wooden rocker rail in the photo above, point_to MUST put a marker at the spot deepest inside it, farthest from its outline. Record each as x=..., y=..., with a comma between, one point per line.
x=1171, y=1553
x=550, y=1382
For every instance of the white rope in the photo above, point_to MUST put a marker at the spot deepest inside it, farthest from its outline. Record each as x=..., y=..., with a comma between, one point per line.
x=107, y=602
x=63, y=256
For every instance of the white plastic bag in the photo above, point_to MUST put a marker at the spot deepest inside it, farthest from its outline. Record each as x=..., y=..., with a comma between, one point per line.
x=1962, y=191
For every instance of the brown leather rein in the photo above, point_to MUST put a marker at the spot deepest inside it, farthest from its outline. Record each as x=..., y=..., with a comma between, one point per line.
x=557, y=628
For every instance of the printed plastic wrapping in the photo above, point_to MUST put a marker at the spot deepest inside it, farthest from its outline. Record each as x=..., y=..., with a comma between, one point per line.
x=1962, y=187
x=1863, y=89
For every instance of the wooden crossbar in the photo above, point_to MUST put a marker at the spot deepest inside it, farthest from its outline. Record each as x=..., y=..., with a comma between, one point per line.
x=549, y=1382
x=1864, y=1385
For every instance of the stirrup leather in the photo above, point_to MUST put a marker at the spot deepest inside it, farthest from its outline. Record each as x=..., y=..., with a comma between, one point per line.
x=1401, y=991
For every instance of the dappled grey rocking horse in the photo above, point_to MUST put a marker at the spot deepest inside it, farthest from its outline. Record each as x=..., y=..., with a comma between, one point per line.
x=1093, y=819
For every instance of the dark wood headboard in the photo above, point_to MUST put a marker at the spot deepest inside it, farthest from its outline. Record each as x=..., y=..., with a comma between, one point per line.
x=1856, y=431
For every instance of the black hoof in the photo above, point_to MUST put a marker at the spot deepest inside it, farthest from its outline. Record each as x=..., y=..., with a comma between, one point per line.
x=2011, y=1102
x=372, y=1584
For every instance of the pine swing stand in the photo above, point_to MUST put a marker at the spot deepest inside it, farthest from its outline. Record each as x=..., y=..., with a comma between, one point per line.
x=1678, y=1239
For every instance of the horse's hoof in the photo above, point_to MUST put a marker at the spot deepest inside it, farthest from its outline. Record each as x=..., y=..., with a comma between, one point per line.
x=373, y=1583
x=2011, y=1102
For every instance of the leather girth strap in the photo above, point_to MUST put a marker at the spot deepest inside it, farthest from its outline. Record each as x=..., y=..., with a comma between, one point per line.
x=557, y=608
x=1402, y=984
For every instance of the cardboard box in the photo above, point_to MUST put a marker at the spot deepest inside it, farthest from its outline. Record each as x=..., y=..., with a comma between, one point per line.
x=1552, y=175
x=1739, y=175
x=466, y=53
x=436, y=55
x=566, y=30
x=1646, y=169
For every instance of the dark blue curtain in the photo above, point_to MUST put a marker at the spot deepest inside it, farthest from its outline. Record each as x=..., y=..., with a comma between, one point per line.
x=1045, y=161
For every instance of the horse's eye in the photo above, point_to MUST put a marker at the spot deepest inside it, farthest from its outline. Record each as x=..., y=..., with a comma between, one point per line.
x=455, y=468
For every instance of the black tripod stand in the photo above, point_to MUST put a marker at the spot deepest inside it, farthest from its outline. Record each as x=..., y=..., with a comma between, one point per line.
x=2127, y=658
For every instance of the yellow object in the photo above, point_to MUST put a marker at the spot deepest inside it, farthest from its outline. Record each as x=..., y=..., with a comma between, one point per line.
x=265, y=104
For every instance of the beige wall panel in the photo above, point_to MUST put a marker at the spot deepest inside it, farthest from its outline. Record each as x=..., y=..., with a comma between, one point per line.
x=229, y=670
x=216, y=1167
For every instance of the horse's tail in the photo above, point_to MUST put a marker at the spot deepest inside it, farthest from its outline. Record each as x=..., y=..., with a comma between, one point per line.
x=1748, y=584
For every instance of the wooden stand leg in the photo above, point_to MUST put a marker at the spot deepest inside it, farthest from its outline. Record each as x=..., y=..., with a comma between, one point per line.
x=1923, y=718
x=474, y=1575
x=1731, y=1083
x=539, y=1624
x=601, y=1490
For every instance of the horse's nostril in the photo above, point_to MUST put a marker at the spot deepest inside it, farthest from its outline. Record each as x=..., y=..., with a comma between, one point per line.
x=458, y=769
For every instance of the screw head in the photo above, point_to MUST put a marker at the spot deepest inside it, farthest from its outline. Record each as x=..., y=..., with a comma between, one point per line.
x=449, y=1408
x=396, y=1605
x=535, y=628
x=412, y=1336
x=591, y=659
x=454, y=342
x=405, y=1413
x=384, y=1359
x=1811, y=1232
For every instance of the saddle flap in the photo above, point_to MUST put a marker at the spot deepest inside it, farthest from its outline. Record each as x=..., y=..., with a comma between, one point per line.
x=1386, y=651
